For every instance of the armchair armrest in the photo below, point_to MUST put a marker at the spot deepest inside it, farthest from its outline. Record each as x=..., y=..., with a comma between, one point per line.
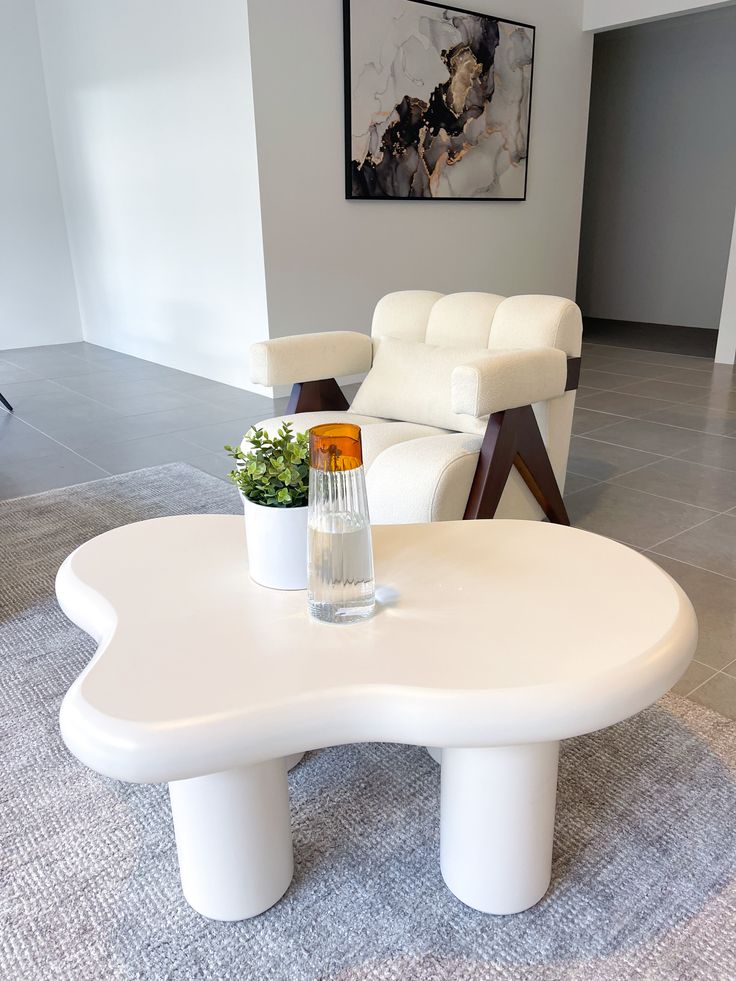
x=507, y=380
x=310, y=357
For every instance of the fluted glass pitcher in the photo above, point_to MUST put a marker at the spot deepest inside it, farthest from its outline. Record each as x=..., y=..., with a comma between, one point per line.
x=340, y=584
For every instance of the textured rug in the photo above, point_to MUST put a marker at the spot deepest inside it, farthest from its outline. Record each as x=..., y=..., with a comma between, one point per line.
x=644, y=881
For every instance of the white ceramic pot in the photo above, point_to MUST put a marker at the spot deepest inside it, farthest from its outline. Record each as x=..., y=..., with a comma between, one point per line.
x=277, y=545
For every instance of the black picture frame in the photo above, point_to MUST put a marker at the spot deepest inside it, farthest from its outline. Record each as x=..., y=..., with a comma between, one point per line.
x=347, y=64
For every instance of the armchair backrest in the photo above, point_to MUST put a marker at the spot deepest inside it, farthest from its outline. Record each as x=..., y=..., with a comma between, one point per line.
x=413, y=384
x=480, y=320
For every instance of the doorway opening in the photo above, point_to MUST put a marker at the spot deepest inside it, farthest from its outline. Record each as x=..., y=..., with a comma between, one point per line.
x=660, y=184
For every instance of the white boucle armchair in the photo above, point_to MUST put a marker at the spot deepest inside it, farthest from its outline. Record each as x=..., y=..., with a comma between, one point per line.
x=466, y=410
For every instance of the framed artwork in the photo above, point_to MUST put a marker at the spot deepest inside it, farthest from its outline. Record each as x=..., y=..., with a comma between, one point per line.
x=437, y=102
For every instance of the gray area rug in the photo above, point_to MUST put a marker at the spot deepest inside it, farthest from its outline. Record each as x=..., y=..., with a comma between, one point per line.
x=645, y=851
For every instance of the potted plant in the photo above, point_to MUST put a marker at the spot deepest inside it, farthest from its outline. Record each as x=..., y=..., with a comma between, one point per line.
x=273, y=479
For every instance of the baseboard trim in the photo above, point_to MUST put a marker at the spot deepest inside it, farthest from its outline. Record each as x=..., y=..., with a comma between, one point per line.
x=699, y=342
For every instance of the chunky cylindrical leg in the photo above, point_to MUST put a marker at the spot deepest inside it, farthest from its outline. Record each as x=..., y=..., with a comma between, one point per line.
x=497, y=824
x=233, y=837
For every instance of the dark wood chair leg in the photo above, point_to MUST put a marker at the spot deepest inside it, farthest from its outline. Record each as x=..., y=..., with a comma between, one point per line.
x=317, y=396
x=5, y=402
x=512, y=438
x=533, y=463
x=496, y=459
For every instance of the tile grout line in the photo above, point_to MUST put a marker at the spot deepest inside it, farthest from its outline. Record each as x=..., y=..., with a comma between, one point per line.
x=641, y=378
x=651, y=463
x=699, y=373
x=642, y=549
x=700, y=377
x=714, y=512
x=625, y=473
x=95, y=401
x=644, y=378
x=63, y=446
x=607, y=480
x=595, y=483
x=170, y=391
x=25, y=368
x=651, y=548
x=692, y=565
x=716, y=672
x=634, y=395
x=655, y=422
x=662, y=456
x=664, y=541
x=625, y=446
x=140, y=415
x=641, y=359
x=201, y=450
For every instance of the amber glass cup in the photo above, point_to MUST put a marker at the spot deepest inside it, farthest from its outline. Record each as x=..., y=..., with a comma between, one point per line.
x=336, y=446
x=339, y=551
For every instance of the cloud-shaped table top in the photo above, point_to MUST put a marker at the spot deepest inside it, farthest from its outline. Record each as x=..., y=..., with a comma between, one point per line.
x=488, y=633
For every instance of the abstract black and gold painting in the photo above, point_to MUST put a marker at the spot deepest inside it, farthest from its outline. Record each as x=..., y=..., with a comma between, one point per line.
x=437, y=102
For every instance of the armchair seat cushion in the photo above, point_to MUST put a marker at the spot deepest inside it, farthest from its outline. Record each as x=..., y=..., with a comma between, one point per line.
x=415, y=473
x=377, y=434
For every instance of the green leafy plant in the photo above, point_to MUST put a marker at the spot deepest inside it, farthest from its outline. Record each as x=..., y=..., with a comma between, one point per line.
x=275, y=471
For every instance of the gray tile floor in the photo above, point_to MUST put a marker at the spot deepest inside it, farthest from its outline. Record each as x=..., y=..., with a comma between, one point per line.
x=652, y=460
x=83, y=411
x=653, y=464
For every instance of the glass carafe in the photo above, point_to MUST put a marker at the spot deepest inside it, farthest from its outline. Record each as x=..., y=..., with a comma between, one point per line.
x=340, y=585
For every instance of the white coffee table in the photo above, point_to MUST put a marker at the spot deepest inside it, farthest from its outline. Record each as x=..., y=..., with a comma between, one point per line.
x=496, y=640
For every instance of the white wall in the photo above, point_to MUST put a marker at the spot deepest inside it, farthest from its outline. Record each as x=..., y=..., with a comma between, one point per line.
x=152, y=114
x=601, y=15
x=661, y=179
x=38, y=302
x=151, y=107
x=726, y=349
x=327, y=259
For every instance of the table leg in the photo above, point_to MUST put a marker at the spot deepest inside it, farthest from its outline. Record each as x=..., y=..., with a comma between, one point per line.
x=497, y=824
x=233, y=837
